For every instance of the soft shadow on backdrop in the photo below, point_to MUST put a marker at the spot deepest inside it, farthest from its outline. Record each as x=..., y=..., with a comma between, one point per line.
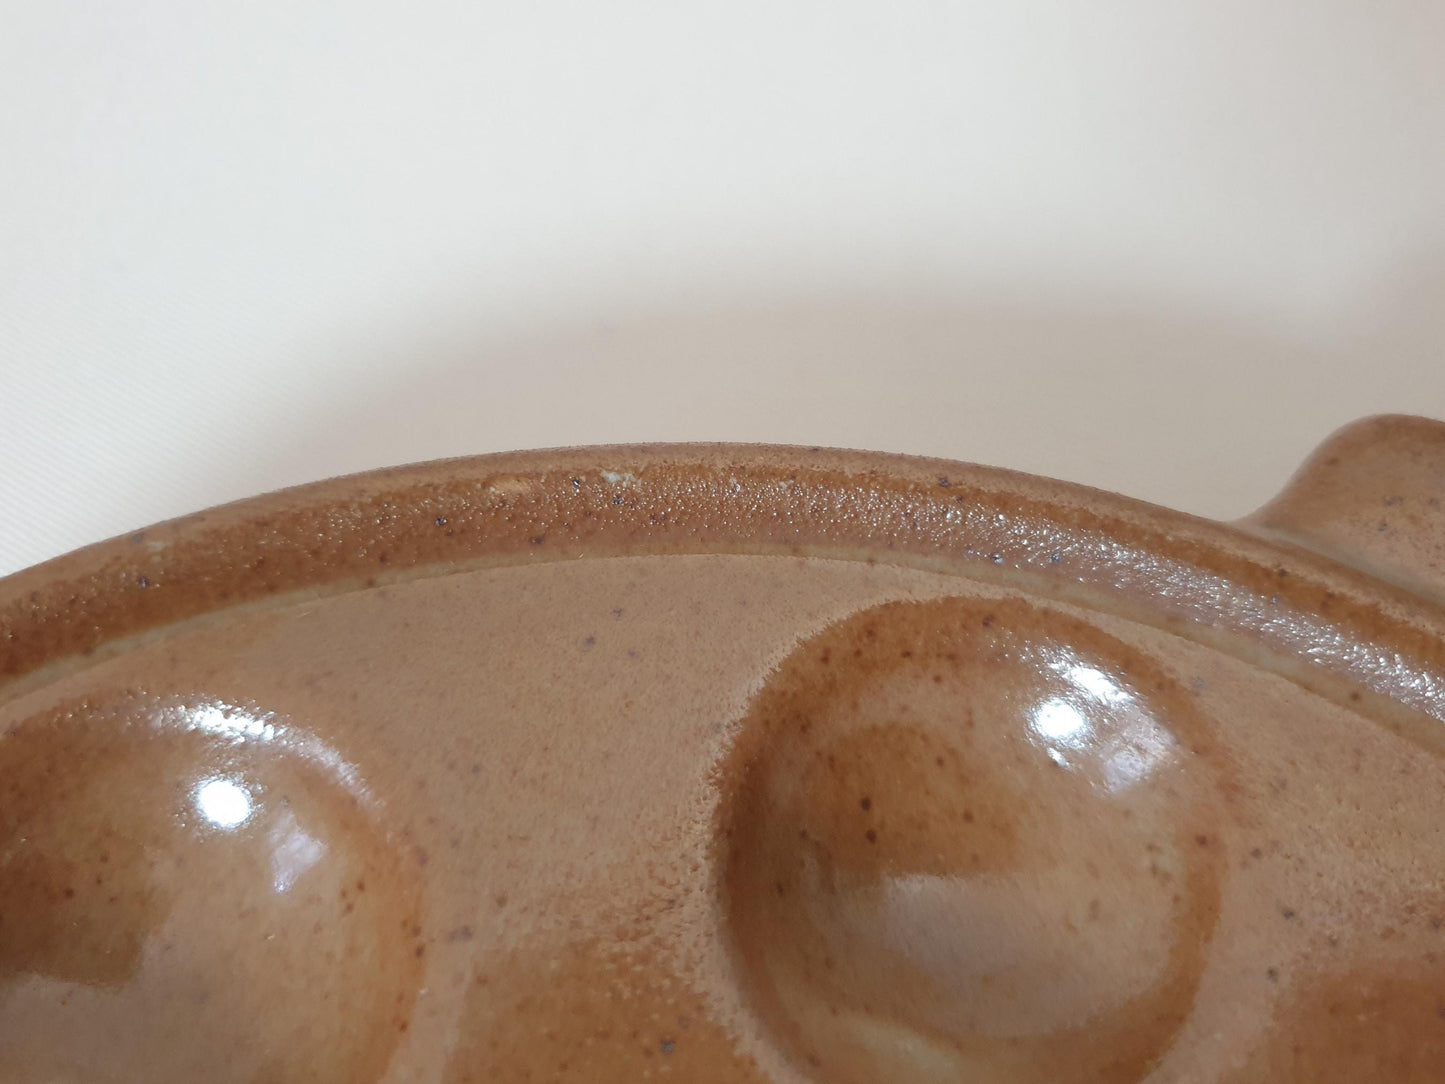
x=1153, y=398
x=1160, y=248
x=1156, y=401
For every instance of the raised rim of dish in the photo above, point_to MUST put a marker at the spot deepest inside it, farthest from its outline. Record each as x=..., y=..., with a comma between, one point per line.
x=1324, y=624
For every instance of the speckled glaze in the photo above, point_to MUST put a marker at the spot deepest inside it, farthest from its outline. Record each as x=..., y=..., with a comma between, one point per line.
x=734, y=764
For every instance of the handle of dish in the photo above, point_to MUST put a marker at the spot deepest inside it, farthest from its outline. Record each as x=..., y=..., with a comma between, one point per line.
x=1372, y=496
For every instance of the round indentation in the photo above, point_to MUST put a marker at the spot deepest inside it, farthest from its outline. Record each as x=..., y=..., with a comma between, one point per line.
x=195, y=891
x=969, y=840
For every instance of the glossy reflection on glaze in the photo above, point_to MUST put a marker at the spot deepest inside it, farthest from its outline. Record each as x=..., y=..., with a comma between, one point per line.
x=195, y=891
x=970, y=840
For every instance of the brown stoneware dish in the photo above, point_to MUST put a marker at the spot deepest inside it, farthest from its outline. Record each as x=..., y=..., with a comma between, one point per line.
x=731, y=764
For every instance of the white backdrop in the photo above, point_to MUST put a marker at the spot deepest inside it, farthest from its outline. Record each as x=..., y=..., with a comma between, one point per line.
x=1160, y=248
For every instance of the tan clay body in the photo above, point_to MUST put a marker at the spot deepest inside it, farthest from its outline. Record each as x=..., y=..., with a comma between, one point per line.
x=728, y=764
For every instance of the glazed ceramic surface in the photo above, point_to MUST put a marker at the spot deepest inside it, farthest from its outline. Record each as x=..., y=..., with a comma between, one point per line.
x=715, y=763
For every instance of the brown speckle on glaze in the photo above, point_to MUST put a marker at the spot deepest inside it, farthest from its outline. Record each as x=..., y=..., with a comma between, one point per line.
x=1370, y=497
x=1382, y=1024
x=551, y=784
x=592, y=1013
x=1029, y=898
x=1203, y=580
x=181, y=885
